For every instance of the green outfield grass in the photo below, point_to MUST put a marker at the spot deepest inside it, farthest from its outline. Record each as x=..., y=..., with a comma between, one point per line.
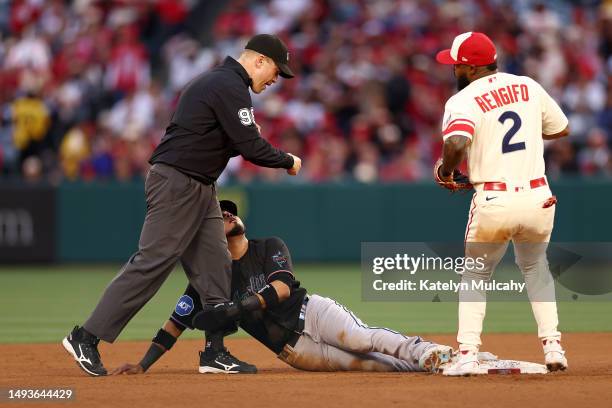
x=42, y=303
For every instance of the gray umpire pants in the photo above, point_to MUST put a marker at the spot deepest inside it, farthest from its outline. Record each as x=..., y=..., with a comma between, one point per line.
x=334, y=339
x=183, y=222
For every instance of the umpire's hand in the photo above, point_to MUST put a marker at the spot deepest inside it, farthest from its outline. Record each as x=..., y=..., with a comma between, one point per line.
x=297, y=165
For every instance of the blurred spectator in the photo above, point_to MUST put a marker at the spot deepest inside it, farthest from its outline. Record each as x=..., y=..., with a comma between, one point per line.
x=87, y=87
x=30, y=117
x=366, y=166
x=583, y=99
x=406, y=167
x=595, y=158
x=32, y=170
x=604, y=119
x=135, y=112
x=128, y=68
x=541, y=21
x=100, y=164
x=167, y=19
x=561, y=159
x=236, y=21
x=185, y=61
x=30, y=51
x=306, y=112
x=74, y=150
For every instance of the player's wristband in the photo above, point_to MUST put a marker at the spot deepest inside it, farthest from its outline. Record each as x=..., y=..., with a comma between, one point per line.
x=268, y=293
x=164, y=339
x=152, y=355
x=251, y=304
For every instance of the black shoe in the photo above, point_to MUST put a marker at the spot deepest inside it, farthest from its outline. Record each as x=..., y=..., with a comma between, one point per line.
x=83, y=347
x=223, y=362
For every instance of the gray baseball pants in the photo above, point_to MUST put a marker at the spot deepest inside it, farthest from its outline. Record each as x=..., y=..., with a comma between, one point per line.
x=183, y=223
x=334, y=339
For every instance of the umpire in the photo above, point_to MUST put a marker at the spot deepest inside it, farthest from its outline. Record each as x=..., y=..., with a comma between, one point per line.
x=213, y=122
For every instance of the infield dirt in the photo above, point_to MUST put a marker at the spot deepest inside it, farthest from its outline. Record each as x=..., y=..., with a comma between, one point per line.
x=175, y=382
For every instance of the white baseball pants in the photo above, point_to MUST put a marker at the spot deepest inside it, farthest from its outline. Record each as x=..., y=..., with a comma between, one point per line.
x=496, y=217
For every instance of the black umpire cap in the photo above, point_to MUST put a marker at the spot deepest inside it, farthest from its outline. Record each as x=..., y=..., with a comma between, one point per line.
x=273, y=47
x=229, y=206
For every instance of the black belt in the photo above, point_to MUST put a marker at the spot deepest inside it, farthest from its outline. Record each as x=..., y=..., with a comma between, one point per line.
x=295, y=336
x=293, y=339
x=197, y=177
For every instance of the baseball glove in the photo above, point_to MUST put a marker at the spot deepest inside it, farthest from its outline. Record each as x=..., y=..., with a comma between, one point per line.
x=458, y=181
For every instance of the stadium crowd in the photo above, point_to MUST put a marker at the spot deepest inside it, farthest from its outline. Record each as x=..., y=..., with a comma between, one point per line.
x=87, y=87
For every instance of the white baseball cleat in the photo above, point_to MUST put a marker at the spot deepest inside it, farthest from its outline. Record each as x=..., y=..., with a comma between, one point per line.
x=554, y=355
x=434, y=357
x=466, y=363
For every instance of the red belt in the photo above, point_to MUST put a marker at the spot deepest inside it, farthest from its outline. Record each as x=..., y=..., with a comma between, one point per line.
x=499, y=186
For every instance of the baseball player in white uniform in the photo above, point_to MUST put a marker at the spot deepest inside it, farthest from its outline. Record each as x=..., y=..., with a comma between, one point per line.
x=500, y=121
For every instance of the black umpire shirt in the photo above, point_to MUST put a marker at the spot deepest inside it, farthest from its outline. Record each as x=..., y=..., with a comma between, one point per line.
x=213, y=122
x=266, y=260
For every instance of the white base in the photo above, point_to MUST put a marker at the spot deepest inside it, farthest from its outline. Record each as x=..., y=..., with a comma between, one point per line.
x=491, y=366
x=512, y=367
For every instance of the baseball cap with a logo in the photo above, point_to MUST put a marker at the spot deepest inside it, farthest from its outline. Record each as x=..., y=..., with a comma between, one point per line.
x=469, y=48
x=273, y=47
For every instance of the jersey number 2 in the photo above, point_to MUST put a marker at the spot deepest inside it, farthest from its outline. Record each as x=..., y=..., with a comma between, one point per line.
x=508, y=147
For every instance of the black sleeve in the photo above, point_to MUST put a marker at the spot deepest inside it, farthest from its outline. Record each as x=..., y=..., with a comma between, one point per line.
x=234, y=111
x=278, y=265
x=186, y=307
